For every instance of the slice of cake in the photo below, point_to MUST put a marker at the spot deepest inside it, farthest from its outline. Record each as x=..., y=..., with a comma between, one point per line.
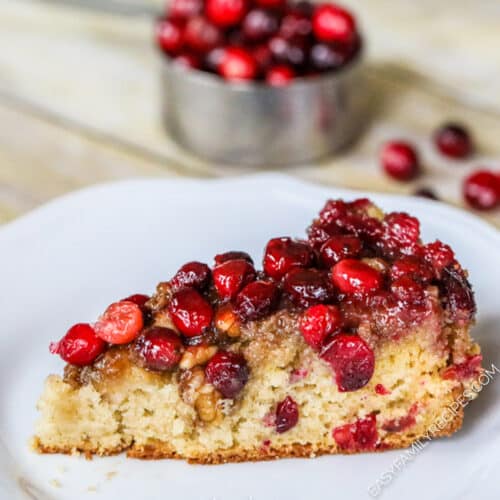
x=355, y=339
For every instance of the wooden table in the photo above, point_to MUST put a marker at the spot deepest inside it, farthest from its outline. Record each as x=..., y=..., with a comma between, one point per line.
x=79, y=97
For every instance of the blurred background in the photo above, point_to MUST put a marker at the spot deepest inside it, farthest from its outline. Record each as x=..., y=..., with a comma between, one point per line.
x=79, y=97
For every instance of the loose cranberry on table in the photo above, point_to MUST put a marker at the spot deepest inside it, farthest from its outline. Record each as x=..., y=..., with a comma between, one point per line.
x=282, y=254
x=80, y=346
x=481, y=189
x=287, y=415
x=279, y=76
x=352, y=276
x=225, y=13
x=191, y=313
x=454, y=141
x=228, y=372
x=318, y=322
x=191, y=275
x=121, y=323
x=159, y=348
x=231, y=276
x=237, y=64
x=332, y=23
x=400, y=160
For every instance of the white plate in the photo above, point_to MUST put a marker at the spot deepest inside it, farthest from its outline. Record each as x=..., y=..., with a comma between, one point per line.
x=65, y=262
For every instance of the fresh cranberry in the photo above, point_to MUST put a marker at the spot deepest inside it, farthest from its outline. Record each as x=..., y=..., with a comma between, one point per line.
x=231, y=276
x=439, y=255
x=402, y=423
x=120, y=323
x=292, y=52
x=169, y=35
x=263, y=58
x=318, y=322
x=408, y=290
x=307, y=287
x=138, y=299
x=400, y=161
x=340, y=247
x=213, y=59
x=271, y=4
x=190, y=312
x=233, y=255
x=481, y=190
x=332, y=23
x=159, y=348
x=413, y=267
x=327, y=57
x=187, y=60
x=228, y=373
x=453, y=140
x=458, y=295
x=238, y=64
x=225, y=13
x=185, y=9
x=201, y=35
x=279, y=76
x=191, y=275
x=352, y=360
x=80, y=346
x=259, y=24
x=425, y=192
x=282, y=254
x=287, y=415
x=466, y=370
x=256, y=300
x=402, y=231
x=352, y=276
x=381, y=390
x=295, y=24
x=361, y=435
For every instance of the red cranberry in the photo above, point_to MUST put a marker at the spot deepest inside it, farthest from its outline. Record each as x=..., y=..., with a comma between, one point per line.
x=293, y=52
x=238, y=64
x=340, y=247
x=402, y=230
x=453, y=140
x=228, y=372
x=381, y=390
x=352, y=360
x=213, y=59
x=352, y=276
x=361, y=435
x=120, y=323
x=138, y=299
x=191, y=275
x=169, y=35
x=402, y=423
x=201, y=35
x=233, y=255
x=332, y=23
x=185, y=9
x=256, y=300
x=458, y=295
x=287, y=415
x=307, y=287
x=263, y=58
x=295, y=24
x=400, y=161
x=159, y=348
x=282, y=254
x=413, y=267
x=231, y=276
x=425, y=192
x=439, y=255
x=271, y=4
x=462, y=371
x=259, y=24
x=408, y=290
x=318, y=322
x=279, y=76
x=80, y=346
x=482, y=190
x=187, y=60
x=225, y=13
x=190, y=312
x=326, y=57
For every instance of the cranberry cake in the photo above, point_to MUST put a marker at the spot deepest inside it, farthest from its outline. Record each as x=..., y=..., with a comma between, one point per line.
x=353, y=339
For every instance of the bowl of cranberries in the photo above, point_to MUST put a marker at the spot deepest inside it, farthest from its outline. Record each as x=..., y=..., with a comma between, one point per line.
x=260, y=82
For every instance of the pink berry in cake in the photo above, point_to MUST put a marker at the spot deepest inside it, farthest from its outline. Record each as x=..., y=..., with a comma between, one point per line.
x=237, y=64
x=283, y=254
x=287, y=415
x=185, y=9
x=201, y=35
x=231, y=276
x=454, y=141
x=80, y=346
x=121, y=323
x=256, y=300
x=307, y=287
x=400, y=160
x=191, y=313
x=191, y=275
x=361, y=435
x=159, y=348
x=465, y=370
x=225, y=13
x=351, y=359
x=338, y=248
x=280, y=75
x=481, y=190
x=381, y=390
x=332, y=23
x=352, y=276
x=228, y=372
x=318, y=322
x=170, y=36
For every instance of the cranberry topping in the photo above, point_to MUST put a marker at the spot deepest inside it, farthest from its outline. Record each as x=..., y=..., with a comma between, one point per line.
x=332, y=23
x=233, y=255
x=282, y=254
x=185, y=9
x=402, y=230
x=457, y=293
x=402, y=423
x=237, y=64
x=259, y=24
x=439, y=255
x=138, y=299
x=453, y=140
x=408, y=290
x=201, y=35
x=191, y=313
x=318, y=322
x=120, y=323
x=191, y=275
x=279, y=76
x=481, y=190
x=361, y=435
x=228, y=373
x=399, y=160
x=169, y=35
x=159, y=348
x=412, y=266
x=381, y=390
x=287, y=415
x=307, y=287
x=80, y=346
x=231, y=276
x=352, y=360
x=355, y=277
x=466, y=370
x=225, y=13
x=256, y=300
x=340, y=247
